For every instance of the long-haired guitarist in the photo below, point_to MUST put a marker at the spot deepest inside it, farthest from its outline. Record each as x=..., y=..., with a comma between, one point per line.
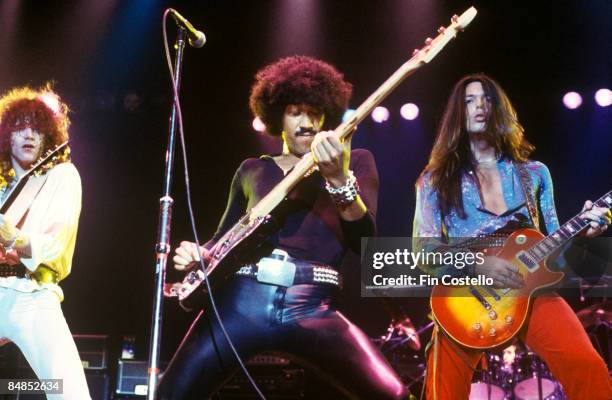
x=472, y=186
x=283, y=300
x=38, y=235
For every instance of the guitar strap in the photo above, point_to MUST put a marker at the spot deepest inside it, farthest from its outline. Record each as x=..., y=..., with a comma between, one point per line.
x=526, y=184
x=24, y=199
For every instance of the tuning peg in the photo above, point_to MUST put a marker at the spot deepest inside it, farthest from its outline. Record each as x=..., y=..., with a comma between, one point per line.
x=428, y=41
x=455, y=19
x=441, y=29
x=415, y=52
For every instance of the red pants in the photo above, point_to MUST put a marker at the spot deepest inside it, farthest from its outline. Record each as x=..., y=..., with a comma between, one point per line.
x=554, y=332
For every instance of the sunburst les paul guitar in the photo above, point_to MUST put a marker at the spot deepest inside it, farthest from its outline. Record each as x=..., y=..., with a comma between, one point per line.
x=245, y=235
x=483, y=317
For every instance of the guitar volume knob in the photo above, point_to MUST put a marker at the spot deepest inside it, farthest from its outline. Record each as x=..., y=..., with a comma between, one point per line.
x=492, y=314
x=477, y=326
x=492, y=331
x=509, y=320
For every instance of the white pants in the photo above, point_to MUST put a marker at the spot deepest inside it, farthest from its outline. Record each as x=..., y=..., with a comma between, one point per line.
x=35, y=323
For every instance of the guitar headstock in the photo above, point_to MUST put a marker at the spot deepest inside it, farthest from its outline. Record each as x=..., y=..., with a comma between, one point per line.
x=46, y=161
x=445, y=34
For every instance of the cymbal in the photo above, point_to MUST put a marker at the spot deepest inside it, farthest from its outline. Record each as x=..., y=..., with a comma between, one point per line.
x=595, y=314
x=400, y=335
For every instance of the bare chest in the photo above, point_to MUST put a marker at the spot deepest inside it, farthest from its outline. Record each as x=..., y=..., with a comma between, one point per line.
x=491, y=192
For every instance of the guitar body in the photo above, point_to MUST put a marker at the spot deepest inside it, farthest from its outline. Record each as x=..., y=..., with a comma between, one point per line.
x=231, y=251
x=498, y=315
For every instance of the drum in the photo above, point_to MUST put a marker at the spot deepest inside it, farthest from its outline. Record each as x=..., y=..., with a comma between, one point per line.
x=531, y=374
x=485, y=391
x=492, y=383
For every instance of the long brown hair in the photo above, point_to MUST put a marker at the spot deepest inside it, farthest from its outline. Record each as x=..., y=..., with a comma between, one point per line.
x=451, y=154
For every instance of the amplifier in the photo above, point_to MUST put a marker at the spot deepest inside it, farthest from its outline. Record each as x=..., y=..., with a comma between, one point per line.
x=132, y=377
x=275, y=382
x=269, y=359
x=98, y=383
x=93, y=350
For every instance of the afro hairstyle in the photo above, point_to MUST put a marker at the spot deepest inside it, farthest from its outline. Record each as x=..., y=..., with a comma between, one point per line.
x=298, y=80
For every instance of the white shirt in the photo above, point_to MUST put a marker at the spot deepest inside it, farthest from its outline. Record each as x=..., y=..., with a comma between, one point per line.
x=51, y=225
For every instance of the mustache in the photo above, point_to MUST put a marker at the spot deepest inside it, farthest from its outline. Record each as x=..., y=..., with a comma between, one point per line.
x=302, y=130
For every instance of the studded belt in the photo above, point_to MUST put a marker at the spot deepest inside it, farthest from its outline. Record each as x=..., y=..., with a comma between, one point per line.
x=283, y=270
x=43, y=274
x=18, y=270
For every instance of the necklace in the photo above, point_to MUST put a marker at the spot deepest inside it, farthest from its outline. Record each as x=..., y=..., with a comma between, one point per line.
x=489, y=161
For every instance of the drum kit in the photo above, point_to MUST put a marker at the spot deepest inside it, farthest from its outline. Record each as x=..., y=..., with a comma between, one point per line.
x=514, y=373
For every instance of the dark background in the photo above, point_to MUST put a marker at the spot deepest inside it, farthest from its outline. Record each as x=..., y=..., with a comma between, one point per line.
x=99, y=52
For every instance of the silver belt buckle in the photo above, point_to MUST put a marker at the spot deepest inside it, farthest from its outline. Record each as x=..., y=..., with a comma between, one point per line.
x=276, y=271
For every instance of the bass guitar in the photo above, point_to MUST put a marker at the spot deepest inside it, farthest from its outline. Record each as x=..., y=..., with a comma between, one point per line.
x=256, y=224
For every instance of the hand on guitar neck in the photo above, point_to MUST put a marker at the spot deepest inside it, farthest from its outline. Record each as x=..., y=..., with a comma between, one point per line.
x=600, y=218
x=187, y=256
x=504, y=273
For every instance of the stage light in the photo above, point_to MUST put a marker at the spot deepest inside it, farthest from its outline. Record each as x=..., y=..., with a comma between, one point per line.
x=603, y=97
x=572, y=100
x=409, y=111
x=258, y=125
x=347, y=114
x=52, y=101
x=380, y=114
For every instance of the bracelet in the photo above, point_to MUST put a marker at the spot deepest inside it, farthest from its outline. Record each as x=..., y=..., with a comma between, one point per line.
x=344, y=195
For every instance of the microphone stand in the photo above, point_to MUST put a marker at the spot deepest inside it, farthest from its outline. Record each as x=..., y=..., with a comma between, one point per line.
x=162, y=248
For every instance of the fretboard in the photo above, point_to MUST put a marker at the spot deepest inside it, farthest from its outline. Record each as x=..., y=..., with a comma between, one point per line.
x=571, y=228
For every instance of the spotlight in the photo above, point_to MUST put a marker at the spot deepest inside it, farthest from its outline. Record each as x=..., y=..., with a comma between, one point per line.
x=409, y=111
x=347, y=114
x=258, y=125
x=380, y=114
x=603, y=97
x=572, y=100
x=52, y=101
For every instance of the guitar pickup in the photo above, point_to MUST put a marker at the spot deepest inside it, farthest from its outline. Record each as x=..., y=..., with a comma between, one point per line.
x=527, y=261
x=479, y=297
x=492, y=293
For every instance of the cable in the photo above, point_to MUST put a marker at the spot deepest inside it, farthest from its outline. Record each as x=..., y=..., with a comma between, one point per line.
x=190, y=208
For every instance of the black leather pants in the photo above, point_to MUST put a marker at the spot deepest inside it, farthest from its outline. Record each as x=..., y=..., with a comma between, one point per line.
x=298, y=322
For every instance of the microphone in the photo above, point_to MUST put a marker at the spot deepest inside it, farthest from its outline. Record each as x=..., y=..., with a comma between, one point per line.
x=196, y=37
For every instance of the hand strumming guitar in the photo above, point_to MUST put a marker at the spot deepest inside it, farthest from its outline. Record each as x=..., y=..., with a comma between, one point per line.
x=504, y=273
x=187, y=256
